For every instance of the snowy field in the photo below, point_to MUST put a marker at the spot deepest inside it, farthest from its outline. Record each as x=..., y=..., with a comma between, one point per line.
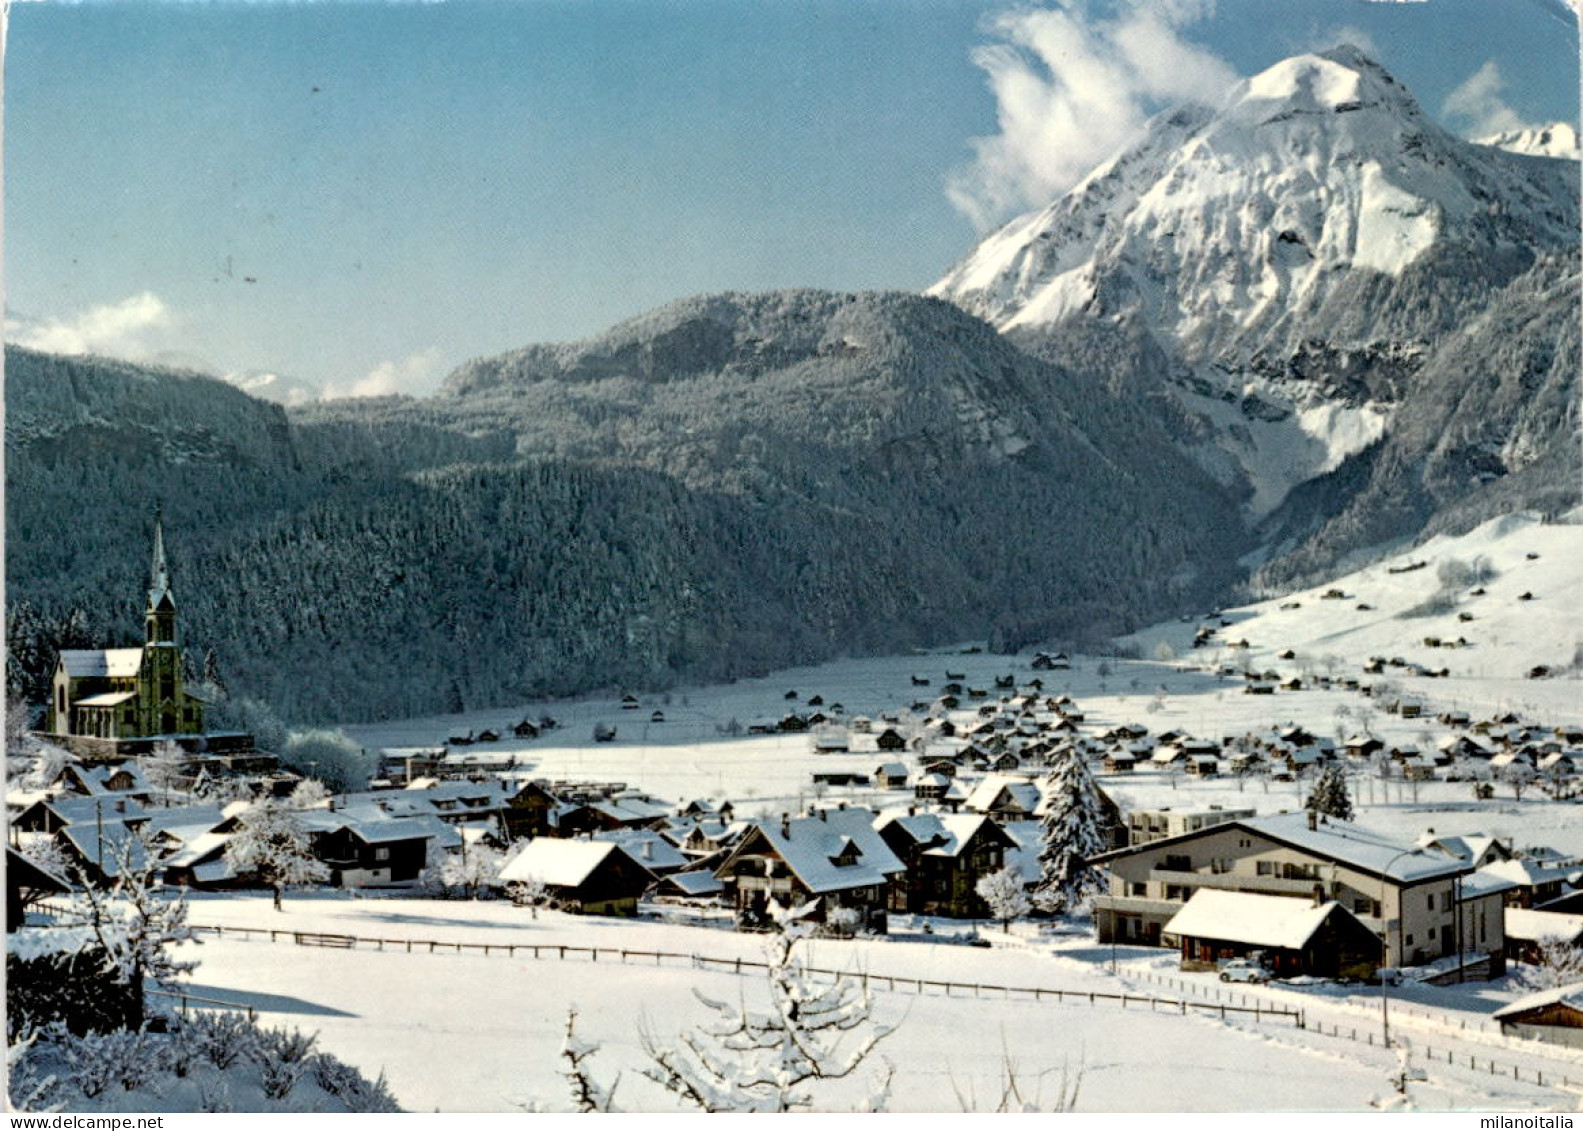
x=474, y=1033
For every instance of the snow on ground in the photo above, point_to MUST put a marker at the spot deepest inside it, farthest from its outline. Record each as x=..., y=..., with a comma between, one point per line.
x=473, y=1033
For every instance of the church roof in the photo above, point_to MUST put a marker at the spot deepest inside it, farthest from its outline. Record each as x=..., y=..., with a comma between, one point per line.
x=87, y=663
x=109, y=699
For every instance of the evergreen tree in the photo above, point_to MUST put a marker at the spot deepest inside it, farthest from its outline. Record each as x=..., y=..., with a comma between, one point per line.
x=1070, y=834
x=1330, y=796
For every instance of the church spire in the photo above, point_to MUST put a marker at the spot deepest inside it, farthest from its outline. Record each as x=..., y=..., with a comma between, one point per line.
x=160, y=617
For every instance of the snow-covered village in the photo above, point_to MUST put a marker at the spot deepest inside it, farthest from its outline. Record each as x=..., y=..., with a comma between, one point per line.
x=1139, y=669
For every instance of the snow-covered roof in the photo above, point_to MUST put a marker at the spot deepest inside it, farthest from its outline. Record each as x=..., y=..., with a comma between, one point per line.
x=702, y=882
x=560, y=863
x=950, y=832
x=1258, y=920
x=1571, y=996
x=390, y=829
x=89, y=663
x=810, y=845
x=1530, y=925
x=183, y=822
x=1479, y=885
x=214, y=871
x=650, y=849
x=1527, y=873
x=88, y=810
x=1469, y=848
x=196, y=850
x=108, y=699
x=1025, y=856
x=1020, y=791
x=1356, y=845
x=104, y=845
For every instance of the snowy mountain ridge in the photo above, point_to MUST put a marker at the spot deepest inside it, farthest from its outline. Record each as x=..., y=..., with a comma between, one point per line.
x=1278, y=271
x=1558, y=139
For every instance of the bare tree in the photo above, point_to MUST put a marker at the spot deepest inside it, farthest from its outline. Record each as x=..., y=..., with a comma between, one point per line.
x=1557, y=962
x=587, y=1093
x=1519, y=776
x=766, y=1061
x=270, y=840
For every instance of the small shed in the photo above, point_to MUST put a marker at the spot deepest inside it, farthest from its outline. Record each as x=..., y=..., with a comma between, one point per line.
x=1554, y=1016
x=586, y=876
x=1294, y=936
x=891, y=775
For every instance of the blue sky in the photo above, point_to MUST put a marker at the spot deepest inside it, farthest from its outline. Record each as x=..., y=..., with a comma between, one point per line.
x=362, y=195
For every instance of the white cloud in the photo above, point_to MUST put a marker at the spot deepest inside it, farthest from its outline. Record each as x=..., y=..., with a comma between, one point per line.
x=1477, y=105
x=1346, y=33
x=1071, y=88
x=414, y=375
x=123, y=329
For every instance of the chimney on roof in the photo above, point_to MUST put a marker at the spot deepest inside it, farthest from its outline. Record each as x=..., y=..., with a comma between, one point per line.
x=912, y=810
x=1313, y=820
x=1319, y=894
x=841, y=806
x=824, y=814
x=785, y=825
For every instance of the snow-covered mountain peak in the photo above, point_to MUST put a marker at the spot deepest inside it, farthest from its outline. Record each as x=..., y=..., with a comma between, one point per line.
x=1340, y=80
x=1558, y=139
x=1281, y=264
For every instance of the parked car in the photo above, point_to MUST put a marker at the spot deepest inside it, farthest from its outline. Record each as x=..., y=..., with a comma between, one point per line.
x=1242, y=970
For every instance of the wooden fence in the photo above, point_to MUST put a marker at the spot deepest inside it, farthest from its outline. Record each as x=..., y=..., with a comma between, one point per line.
x=186, y=1001
x=1520, y=1073
x=1366, y=1035
x=1258, y=1010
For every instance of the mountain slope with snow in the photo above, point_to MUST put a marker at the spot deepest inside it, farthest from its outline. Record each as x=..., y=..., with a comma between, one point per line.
x=1277, y=273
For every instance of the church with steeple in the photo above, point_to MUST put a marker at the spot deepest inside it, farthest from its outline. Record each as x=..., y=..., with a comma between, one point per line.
x=128, y=698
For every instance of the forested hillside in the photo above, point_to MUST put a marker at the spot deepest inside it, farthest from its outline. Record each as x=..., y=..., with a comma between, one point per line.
x=725, y=486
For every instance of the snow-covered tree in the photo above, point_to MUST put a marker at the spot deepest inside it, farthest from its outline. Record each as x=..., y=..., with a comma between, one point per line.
x=1518, y=776
x=532, y=892
x=309, y=793
x=45, y=851
x=134, y=920
x=587, y=1093
x=253, y=716
x=164, y=768
x=1330, y=796
x=1070, y=834
x=749, y=1060
x=1558, y=962
x=473, y=870
x=270, y=840
x=1003, y=891
x=331, y=757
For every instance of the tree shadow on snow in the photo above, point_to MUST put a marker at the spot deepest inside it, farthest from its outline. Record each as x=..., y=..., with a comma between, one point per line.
x=264, y=1003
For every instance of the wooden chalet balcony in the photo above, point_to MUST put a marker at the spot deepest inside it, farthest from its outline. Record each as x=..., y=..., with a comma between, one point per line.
x=1232, y=881
x=765, y=883
x=1133, y=905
